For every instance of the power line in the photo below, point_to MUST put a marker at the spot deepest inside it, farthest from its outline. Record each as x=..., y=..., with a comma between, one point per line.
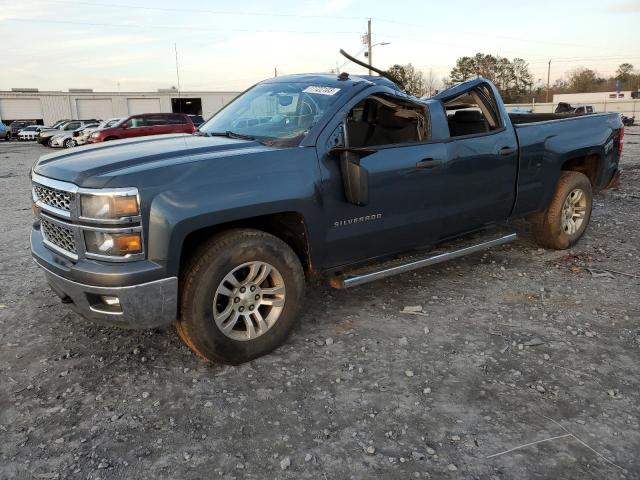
x=204, y=10
x=177, y=27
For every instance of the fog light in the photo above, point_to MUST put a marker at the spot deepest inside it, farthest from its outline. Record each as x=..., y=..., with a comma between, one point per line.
x=110, y=300
x=109, y=304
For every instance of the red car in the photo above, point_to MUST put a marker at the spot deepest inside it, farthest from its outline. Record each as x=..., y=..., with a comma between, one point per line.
x=145, y=124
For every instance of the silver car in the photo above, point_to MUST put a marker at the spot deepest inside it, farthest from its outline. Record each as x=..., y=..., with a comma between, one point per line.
x=66, y=139
x=81, y=136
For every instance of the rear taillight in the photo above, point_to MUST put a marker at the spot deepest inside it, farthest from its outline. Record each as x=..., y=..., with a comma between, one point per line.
x=621, y=142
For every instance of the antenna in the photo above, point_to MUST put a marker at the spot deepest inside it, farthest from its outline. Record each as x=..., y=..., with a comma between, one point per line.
x=382, y=73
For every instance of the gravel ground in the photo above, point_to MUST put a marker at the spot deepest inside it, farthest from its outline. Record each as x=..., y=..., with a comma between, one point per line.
x=514, y=346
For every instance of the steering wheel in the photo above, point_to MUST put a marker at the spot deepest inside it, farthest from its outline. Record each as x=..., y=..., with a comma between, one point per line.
x=307, y=103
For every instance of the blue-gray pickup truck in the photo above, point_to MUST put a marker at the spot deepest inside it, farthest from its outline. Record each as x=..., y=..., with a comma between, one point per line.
x=304, y=177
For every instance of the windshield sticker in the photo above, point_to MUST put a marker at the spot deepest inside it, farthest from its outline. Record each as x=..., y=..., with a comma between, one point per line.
x=321, y=90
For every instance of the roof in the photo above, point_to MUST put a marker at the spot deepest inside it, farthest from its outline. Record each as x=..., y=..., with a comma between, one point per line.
x=331, y=79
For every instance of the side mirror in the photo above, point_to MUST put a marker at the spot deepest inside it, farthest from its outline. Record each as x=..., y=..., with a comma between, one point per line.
x=124, y=125
x=355, y=178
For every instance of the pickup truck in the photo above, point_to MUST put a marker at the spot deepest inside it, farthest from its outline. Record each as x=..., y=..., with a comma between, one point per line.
x=299, y=178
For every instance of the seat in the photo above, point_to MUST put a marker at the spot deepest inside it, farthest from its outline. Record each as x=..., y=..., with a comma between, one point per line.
x=392, y=129
x=467, y=122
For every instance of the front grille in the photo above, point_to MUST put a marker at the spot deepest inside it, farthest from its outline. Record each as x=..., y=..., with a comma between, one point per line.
x=53, y=197
x=61, y=237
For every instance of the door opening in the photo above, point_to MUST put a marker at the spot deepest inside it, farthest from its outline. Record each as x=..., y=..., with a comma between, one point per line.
x=190, y=106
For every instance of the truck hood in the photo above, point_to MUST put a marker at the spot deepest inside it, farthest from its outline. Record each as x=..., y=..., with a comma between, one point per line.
x=94, y=166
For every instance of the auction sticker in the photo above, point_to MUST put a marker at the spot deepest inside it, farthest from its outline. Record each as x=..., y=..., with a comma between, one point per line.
x=321, y=90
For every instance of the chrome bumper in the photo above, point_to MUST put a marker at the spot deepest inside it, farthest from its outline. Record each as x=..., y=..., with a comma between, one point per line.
x=147, y=305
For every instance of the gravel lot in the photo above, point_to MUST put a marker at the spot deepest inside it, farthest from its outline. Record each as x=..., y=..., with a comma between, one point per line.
x=514, y=346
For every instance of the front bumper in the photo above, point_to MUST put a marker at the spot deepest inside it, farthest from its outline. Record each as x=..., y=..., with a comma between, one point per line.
x=146, y=299
x=148, y=305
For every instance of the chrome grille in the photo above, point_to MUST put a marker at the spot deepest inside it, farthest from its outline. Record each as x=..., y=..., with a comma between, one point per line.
x=53, y=197
x=59, y=236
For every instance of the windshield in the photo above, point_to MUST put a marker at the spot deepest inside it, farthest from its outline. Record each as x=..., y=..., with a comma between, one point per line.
x=277, y=113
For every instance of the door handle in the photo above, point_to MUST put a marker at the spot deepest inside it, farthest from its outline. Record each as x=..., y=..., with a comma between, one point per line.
x=504, y=151
x=428, y=163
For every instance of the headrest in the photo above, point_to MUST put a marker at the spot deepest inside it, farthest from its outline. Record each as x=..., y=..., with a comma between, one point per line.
x=468, y=116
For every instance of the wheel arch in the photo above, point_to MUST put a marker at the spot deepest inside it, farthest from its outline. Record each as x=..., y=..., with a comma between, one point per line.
x=290, y=227
x=589, y=164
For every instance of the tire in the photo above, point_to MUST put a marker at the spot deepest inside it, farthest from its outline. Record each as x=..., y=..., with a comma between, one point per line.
x=573, y=197
x=68, y=143
x=204, y=306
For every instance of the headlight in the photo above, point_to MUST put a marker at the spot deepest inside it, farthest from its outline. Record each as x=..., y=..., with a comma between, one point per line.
x=113, y=244
x=110, y=206
x=95, y=135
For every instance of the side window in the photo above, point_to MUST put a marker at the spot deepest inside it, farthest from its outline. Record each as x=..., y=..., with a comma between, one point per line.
x=175, y=120
x=589, y=109
x=386, y=120
x=72, y=126
x=135, y=122
x=473, y=112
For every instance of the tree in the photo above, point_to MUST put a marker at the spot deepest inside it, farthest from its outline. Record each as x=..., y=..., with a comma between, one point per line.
x=583, y=80
x=512, y=78
x=414, y=81
x=624, y=72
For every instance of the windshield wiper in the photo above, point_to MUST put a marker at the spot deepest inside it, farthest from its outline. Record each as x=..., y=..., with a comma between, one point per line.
x=230, y=134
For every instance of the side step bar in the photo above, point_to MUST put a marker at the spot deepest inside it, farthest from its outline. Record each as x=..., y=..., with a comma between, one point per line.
x=355, y=280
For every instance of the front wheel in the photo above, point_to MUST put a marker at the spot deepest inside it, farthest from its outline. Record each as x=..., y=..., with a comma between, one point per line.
x=567, y=216
x=68, y=143
x=240, y=296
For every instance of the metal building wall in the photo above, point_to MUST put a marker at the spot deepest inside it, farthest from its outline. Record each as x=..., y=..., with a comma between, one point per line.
x=63, y=105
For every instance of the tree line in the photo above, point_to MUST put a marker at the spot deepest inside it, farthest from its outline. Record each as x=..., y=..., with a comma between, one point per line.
x=514, y=80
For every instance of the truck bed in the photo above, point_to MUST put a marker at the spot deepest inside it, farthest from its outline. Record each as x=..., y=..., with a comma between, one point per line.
x=520, y=118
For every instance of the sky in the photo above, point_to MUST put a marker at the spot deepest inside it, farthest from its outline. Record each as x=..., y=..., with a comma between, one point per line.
x=130, y=45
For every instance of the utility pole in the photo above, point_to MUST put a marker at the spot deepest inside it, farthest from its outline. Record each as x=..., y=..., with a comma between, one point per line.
x=275, y=72
x=548, y=80
x=369, y=56
x=175, y=47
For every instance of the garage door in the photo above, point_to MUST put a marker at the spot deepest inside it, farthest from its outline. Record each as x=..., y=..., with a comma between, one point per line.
x=143, y=105
x=100, y=108
x=20, y=108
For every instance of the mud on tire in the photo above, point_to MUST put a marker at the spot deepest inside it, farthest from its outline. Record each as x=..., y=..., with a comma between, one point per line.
x=241, y=293
x=566, y=217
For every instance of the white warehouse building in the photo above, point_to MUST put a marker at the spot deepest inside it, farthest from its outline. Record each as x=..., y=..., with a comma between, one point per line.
x=47, y=107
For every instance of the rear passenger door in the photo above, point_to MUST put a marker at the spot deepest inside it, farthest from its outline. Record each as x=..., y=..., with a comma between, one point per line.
x=483, y=163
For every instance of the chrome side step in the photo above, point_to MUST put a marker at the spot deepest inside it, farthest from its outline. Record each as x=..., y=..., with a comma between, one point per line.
x=355, y=280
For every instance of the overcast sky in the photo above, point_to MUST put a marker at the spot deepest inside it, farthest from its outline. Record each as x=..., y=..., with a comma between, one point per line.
x=129, y=45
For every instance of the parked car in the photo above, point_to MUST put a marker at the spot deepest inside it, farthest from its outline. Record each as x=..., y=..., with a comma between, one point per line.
x=17, y=125
x=28, y=133
x=45, y=136
x=580, y=109
x=304, y=177
x=144, y=125
x=81, y=137
x=66, y=139
x=42, y=128
x=197, y=120
x=5, y=134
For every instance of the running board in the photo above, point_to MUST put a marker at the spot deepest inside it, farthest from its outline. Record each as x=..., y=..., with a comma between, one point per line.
x=355, y=280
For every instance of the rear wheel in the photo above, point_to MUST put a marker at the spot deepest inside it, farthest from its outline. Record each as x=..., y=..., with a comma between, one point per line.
x=240, y=296
x=567, y=216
